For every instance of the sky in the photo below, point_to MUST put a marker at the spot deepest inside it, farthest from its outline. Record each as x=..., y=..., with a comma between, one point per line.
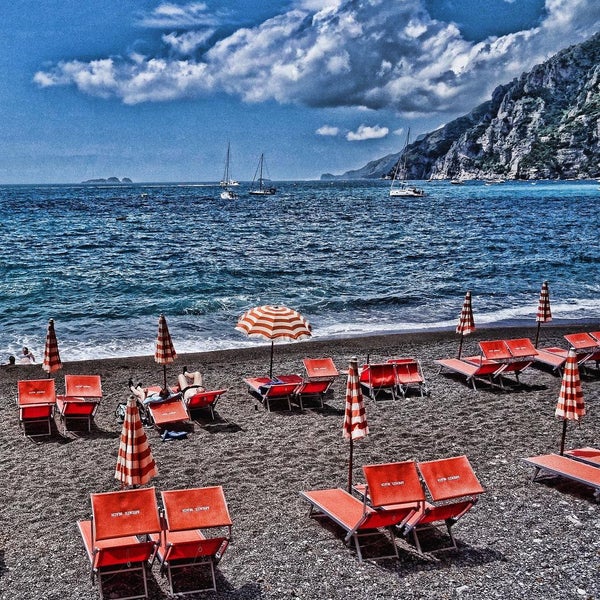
x=154, y=90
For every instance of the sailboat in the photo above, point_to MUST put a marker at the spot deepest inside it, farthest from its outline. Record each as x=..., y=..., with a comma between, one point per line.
x=399, y=186
x=259, y=180
x=227, y=182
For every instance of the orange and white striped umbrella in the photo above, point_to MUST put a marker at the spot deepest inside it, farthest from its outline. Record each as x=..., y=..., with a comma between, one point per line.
x=52, y=360
x=355, y=418
x=135, y=464
x=274, y=322
x=466, y=322
x=543, y=312
x=570, y=406
x=165, y=351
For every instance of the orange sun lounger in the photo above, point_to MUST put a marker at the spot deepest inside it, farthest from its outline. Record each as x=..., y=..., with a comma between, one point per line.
x=360, y=520
x=409, y=373
x=184, y=543
x=80, y=402
x=202, y=400
x=567, y=468
x=36, y=399
x=590, y=456
x=513, y=356
x=379, y=378
x=267, y=390
x=320, y=375
x=167, y=412
x=474, y=367
x=117, y=539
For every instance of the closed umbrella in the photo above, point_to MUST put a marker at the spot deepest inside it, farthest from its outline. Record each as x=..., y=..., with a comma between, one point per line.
x=165, y=352
x=274, y=322
x=544, y=314
x=355, y=418
x=52, y=360
x=135, y=464
x=466, y=322
x=570, y=406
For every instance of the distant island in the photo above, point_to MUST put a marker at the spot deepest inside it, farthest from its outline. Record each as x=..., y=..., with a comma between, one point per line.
x=109, y=180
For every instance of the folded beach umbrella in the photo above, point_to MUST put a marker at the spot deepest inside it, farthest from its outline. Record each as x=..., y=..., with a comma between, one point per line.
x=165, y=352
x=466, y=322
x=135, y=464
x=274, y=322
x=544, y=314
x=570, y=406
x=51, y=356
x=355, y=418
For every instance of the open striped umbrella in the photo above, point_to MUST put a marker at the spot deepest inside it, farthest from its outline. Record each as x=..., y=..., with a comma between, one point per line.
x=52, y=360
x=355, y=418
x=544, y=314
x=165, y=352
x=570, y=406
x=466, y=322
x=135, y=464
x=274, y=322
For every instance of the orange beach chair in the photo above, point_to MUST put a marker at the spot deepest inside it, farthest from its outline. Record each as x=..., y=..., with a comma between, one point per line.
x=80, y=402
x=267, y=390
x=588, y=455
x=167, y=412
x=379, y=378
x=320, y=375
x=188, y=515
x=36, y=399
x=202, y=400
x=409, y=373
x=117, y=539
x=473, y=367
x=360, y=520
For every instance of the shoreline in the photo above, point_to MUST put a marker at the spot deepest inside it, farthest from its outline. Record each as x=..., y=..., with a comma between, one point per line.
x=522, y=539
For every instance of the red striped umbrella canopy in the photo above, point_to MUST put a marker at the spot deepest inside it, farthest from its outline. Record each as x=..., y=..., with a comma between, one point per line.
x=274, y=322
x=544, y=313
x=355, y=418
x=52, y=360
x=466, y=322
x=165, y=351
x=570, y=406
x=135, y=464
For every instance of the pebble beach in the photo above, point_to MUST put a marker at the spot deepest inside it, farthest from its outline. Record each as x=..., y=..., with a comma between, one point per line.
x=521, y=540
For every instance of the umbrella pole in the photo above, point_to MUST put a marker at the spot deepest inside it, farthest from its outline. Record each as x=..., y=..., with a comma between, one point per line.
x=537, y=334
x=564, y=434
x=460, y=345
x=165, y=376
x=350, y=467
x=271, y=366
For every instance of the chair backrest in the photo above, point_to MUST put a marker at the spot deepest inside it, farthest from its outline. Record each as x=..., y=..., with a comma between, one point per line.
x=382, y=375
x=320, y=368
x=83, y=386
x=596, y=335
x=36, y=391
x=394, y=483
x=278, y=390
x=125, y=513
x=582, y=341
x=521, y=348
x=449, y=478
x=495, y=350
x=196, y=508
x=203, y=399
x=407, y=370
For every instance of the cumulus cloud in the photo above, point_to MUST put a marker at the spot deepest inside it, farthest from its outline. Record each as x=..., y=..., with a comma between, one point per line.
x=364, y=132
x=187, y=43
x=368, y=54
x=328, y=130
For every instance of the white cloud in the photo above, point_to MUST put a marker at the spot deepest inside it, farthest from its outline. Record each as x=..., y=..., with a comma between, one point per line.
x=328, y=130
x=364, y=132
x=342, y=53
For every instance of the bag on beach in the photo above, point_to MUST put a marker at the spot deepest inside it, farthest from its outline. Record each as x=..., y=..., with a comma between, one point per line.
x=120, y=412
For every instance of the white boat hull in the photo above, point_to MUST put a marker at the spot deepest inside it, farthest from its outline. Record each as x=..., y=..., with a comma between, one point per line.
x=406, y=193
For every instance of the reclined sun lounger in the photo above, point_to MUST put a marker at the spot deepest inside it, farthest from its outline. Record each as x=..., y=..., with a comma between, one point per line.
x=586, y=345
x=360, y=520
x=117, y=539
x=513, y=356
x=267, y=390
x=320, y=375
x=184, y=543
x=590, y=456
x=409, y=374
x=166, y=412
x=553, y=357
x=36, y=399
x=453, y=485
x=202, y=400
x=567, y=468
x=473, y=367
x=83, y=394
x=379, y=378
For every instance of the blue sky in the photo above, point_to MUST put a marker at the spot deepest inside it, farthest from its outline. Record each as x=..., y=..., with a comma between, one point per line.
x=154, y=90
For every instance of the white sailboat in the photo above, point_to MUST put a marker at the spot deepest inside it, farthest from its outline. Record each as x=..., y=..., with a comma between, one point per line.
x=227, y=182
x=259, y=188
x=400, y=187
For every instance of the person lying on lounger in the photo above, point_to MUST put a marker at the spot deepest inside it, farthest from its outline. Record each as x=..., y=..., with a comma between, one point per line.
x=146, y=397
x=190, y=383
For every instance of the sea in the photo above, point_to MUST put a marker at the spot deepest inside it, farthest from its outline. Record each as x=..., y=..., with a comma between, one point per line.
x=104, y=261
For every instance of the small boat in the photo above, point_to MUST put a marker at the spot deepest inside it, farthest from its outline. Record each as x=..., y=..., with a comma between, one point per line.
x=457, y=182
x=227, y=182
x=400, y=187
x=258, y=183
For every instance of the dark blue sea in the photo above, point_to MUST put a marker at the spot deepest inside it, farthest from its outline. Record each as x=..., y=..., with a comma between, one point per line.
x=105, y=261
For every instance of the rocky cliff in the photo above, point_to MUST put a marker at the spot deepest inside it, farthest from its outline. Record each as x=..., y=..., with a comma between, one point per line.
x=543, y=125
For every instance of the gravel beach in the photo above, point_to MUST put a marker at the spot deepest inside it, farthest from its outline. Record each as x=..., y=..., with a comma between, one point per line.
x=521, y=540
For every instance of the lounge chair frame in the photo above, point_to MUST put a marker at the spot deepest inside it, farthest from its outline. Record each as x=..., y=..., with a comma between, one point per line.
x=80, y=402
x=379, y=378
x=409, y=373
x=268, y=389
x=36, y=399
x=204, y=399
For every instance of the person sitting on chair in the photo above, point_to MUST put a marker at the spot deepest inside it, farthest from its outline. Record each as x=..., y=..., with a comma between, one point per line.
x=190, y=383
